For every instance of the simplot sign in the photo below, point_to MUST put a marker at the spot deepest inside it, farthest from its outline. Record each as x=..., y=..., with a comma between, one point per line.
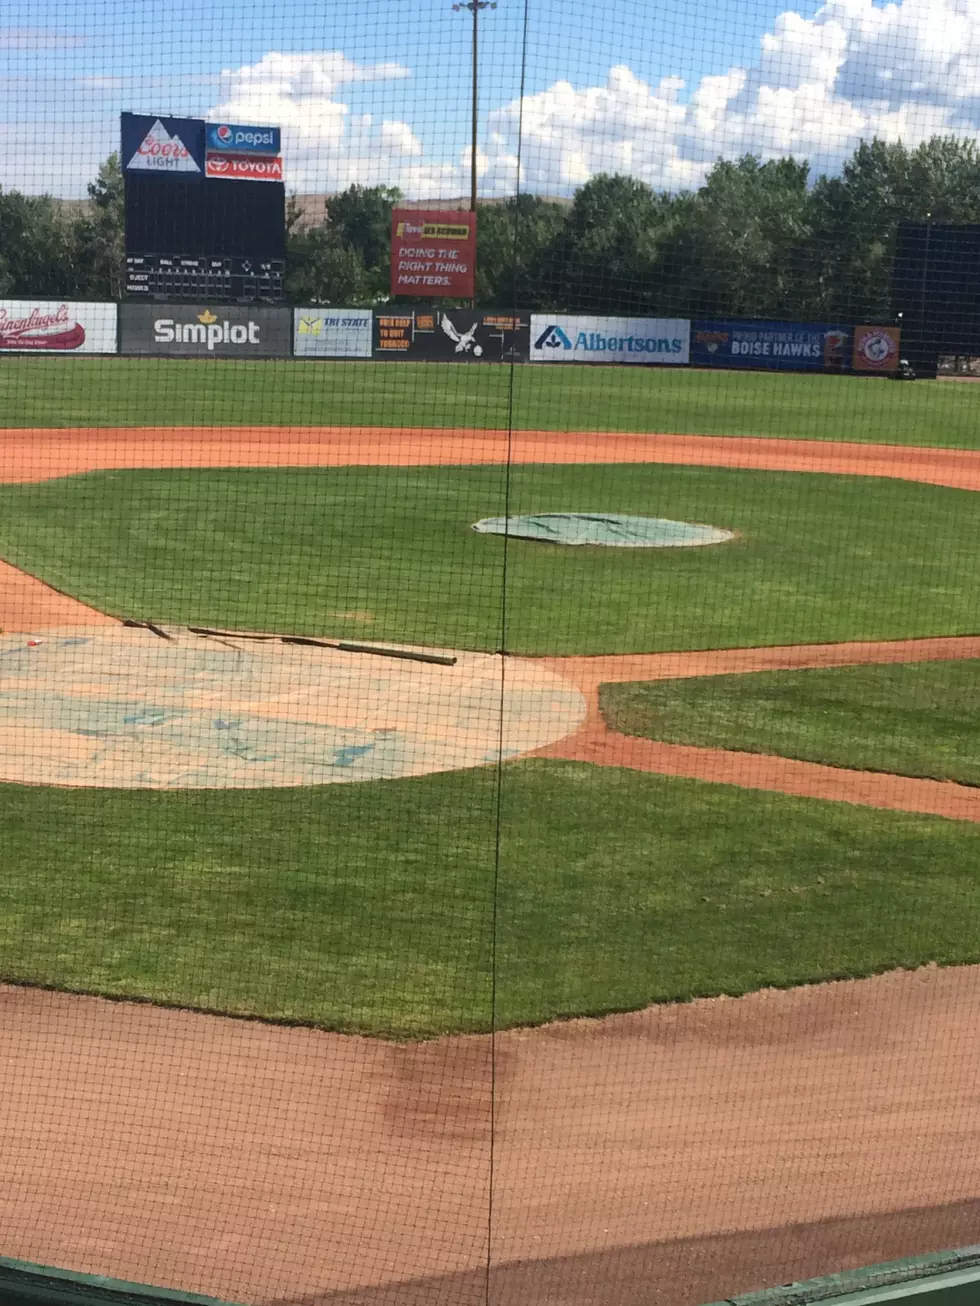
x=226, y=331
x=207, y=331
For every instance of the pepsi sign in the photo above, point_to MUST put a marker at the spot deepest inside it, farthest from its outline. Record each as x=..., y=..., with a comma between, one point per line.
x=235, y=139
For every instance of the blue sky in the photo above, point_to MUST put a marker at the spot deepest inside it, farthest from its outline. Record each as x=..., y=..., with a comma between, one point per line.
x=658, y=90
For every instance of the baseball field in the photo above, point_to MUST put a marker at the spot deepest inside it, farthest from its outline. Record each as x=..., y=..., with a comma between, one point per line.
x=728, y=792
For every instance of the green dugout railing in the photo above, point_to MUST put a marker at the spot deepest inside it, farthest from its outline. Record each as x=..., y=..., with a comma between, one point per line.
x=23, y=1284
x=942, y=1279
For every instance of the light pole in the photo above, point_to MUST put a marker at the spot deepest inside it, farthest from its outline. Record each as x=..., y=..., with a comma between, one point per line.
x=474, y=6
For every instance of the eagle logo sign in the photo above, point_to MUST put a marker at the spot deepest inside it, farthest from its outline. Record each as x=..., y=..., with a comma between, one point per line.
x=464, y=341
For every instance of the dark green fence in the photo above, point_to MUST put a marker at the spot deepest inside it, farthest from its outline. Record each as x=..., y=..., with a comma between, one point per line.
x=942, y=1279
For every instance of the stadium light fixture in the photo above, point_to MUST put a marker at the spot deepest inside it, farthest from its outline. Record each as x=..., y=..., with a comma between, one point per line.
x=474, y=6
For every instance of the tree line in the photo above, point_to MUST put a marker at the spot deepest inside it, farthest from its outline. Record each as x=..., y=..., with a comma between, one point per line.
x=757, y=239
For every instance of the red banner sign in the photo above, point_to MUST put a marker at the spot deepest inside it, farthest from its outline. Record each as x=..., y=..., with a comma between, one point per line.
x=433, y=253
x=244, y=167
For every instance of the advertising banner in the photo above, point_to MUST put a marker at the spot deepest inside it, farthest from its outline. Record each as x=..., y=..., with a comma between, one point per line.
x=162, y=147
x=193, y=330
x=790, y=346
x=243, y=167
x=332, y=332
x=54, y=326
x=236, y=139
x=456, y=335
x=433, y=253
x=563, y=339
x=876, y=348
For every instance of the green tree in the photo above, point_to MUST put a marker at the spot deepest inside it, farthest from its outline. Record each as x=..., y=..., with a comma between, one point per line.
x=605, y=256
x=855, y=217
x=360, y=217
x=323, y=269
x=346, y=258
x=37, y=254
x=512, y=242
x=741, y=250
x=99, y=236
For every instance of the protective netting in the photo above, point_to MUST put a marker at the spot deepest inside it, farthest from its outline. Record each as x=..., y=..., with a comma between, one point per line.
x=393, y=911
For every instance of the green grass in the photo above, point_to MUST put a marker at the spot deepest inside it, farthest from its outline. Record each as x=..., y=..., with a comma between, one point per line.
x=819, y=558
x=123, y=391
x=369, y=907
x=918, y=719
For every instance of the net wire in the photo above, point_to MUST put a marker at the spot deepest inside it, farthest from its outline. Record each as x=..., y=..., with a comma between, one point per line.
x=393, y=911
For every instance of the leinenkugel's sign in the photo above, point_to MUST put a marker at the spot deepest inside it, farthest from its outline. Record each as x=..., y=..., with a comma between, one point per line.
x=433, y=253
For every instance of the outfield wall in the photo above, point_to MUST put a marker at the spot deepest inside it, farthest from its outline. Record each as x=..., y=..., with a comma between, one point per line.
x=437, y=334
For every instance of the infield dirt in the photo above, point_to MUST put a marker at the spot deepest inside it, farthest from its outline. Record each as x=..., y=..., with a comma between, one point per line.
x=671, y=1156
x=633, y=1156
x=28, y=605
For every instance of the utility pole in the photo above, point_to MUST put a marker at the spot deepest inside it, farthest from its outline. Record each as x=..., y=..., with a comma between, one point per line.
x=474, y=6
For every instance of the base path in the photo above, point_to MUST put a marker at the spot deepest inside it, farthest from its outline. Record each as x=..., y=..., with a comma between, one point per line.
x=672, y=1156
x=40, y=454
x=27, y=604
x=594, y=742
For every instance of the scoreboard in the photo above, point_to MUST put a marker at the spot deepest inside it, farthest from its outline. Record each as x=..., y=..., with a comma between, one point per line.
x=202, y=225
x=228, y=280
x=936, y=288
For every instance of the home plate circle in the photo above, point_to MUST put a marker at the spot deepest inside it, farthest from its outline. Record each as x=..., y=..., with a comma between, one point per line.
x=125, y=708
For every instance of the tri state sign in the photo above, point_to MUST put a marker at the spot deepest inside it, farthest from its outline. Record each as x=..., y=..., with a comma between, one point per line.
x=433, y=253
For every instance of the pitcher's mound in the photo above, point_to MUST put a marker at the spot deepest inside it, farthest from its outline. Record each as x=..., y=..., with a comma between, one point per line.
x=124, y=708
x=607, y=529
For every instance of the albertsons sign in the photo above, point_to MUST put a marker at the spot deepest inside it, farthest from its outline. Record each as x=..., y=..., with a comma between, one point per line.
x=566, y=339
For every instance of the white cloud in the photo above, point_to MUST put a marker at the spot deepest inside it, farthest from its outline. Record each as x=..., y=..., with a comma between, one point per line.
x=399, y=138
x=855, y=69
x=903, y=71
x=304, y=77
x=325, y=146
x=569, y=135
